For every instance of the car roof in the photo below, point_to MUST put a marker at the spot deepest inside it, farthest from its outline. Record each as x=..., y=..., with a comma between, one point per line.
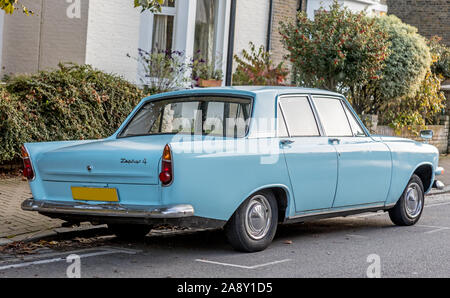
x=249, y=90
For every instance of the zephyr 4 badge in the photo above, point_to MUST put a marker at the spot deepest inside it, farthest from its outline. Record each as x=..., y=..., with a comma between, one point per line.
x=133, y=161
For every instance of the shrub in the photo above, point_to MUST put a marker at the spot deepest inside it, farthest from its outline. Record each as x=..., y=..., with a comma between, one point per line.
x=441, y=57
x=420, y=109
x=407, y=65
x=340, y=49
x=72, y=102
x=13, y=124
x=256, y=68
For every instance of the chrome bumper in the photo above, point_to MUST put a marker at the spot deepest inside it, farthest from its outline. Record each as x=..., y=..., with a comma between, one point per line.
x=438, y=185
x=113, y=210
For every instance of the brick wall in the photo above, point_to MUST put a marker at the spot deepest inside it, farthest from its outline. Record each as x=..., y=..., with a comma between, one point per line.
x=21, y=40
x=42, y=40
x=440, y=132
x=440, y=135
x=283, y=10
x=431, y=17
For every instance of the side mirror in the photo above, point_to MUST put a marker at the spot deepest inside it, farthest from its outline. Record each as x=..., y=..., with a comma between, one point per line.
x=426, y=135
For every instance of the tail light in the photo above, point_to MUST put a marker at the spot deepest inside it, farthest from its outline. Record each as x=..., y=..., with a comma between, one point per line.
x=166, y=175
x=27, y=167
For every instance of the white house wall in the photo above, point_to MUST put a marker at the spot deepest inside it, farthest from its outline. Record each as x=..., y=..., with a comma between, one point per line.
x=354, y=5
x=252, y=17
x=113, y=32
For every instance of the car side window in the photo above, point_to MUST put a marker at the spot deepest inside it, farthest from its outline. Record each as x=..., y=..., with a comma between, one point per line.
x=332, y=116
x=356, y=128
x=299, y=116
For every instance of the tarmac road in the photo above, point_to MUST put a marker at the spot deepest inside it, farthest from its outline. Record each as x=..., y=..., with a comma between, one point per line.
x=341, y=247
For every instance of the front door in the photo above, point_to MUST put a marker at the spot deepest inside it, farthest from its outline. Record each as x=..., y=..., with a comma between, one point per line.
x=310, y=159
x=364, y=173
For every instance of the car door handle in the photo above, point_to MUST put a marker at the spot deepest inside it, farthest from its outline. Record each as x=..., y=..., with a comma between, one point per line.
x=286, y=142
x=334, y=141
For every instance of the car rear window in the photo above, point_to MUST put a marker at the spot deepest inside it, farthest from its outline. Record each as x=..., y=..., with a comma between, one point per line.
x=206, y=115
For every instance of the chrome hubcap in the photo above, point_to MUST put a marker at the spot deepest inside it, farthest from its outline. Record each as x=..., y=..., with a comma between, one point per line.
x=258, y=217
x=413, y=200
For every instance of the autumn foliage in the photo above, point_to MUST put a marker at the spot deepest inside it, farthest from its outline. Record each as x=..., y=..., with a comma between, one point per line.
x=336, y=50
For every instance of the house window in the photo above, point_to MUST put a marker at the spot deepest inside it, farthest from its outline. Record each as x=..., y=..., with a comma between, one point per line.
x=205, y=29
x=163, y=27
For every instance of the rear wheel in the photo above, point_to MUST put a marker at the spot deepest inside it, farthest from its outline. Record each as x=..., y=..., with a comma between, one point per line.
x=129, y=231
x=253, y=226
x=409, y=207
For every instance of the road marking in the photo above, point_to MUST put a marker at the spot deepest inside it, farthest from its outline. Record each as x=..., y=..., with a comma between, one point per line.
x=242, y=266
x=103, y=251
x=434, y=228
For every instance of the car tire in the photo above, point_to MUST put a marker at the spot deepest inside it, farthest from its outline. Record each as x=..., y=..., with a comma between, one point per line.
x=129, y=231
x=253, y=226
x=408, y=209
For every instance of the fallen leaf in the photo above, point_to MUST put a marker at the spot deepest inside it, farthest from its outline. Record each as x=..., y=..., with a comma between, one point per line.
x=287, y=241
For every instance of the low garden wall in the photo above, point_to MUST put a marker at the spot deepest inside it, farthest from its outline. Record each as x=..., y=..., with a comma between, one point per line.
x=440, y=134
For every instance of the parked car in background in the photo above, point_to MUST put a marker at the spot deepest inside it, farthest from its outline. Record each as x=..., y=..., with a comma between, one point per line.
x=243, y=159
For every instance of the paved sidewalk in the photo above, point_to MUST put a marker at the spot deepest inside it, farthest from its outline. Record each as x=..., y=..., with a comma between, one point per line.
x=14, y=221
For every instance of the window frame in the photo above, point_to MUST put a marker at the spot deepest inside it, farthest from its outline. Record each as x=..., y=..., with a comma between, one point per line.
x=346, y=106
x=282, y=114
x=138, y=108
x=147, y=22
x=165, y=11
x=216, y=38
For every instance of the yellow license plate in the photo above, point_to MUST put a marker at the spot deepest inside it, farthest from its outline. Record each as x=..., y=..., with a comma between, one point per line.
x=95, y=194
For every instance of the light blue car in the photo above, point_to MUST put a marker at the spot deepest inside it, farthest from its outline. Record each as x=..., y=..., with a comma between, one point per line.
x=242, y=158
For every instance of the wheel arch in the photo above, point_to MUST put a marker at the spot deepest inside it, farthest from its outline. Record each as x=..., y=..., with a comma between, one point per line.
x=426, y=174
x=282, y=194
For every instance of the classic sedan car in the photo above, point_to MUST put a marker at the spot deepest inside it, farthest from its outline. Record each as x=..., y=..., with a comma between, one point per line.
x=239, y=158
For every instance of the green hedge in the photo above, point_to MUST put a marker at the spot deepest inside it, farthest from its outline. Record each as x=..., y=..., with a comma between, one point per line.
x=70, y=103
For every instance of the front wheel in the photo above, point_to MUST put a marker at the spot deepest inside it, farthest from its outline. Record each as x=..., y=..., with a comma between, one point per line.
x=129, y=231
x=409, y=207
x=253, y=225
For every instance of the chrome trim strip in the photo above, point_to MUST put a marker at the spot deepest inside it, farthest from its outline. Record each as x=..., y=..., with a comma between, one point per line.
x=108, y=209
x=390, y=205
x=340, y=212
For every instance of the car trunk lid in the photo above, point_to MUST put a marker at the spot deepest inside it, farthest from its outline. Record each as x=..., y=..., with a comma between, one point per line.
x=133, y=160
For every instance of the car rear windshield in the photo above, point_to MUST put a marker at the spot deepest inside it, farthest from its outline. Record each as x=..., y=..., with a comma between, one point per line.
x=206, y=115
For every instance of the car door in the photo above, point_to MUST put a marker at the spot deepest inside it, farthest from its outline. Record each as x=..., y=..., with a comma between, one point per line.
x=364, y=165
x=311, y=160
